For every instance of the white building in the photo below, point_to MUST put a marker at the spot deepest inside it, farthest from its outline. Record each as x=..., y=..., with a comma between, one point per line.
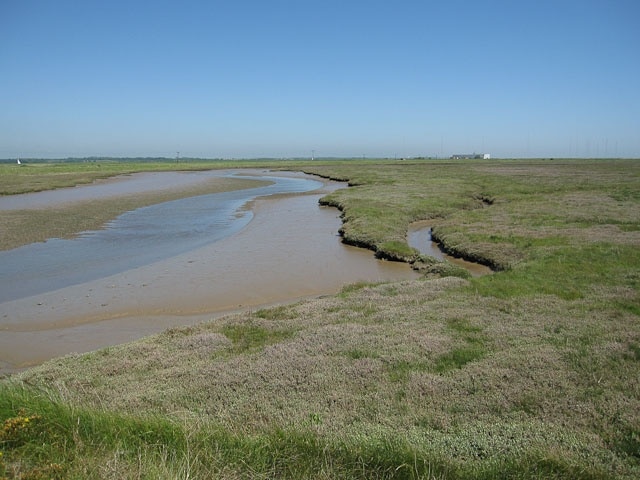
x=460, y=156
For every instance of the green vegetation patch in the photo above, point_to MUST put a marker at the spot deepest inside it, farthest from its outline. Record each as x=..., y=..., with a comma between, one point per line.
x=458, y=358
x=355, y=287
x=397, y=250
x=61, y=442
x=570, y=272
x=473, y=346
x=281, y=312
x=248, y=338
x=430, y=266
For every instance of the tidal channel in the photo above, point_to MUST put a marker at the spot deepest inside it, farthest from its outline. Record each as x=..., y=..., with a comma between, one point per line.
x=174, y=263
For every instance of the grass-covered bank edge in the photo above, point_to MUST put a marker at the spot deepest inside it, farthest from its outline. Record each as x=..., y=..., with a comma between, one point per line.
x=396, y=217
x=464, y=200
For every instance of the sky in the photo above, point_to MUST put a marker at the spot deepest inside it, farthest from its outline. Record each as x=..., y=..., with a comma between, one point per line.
x=296, y=78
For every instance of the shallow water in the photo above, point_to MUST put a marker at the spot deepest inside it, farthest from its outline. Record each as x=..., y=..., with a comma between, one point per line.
x=136, y=238
x=279, y=250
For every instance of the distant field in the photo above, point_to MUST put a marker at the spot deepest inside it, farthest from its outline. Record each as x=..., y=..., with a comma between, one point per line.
x=531, y=372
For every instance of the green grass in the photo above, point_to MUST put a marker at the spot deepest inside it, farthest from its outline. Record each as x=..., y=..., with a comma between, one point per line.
x=530, y=372
x=281, y=312
x=473, y=346
x=246, y=338
x=65, y=442
x=570, y=272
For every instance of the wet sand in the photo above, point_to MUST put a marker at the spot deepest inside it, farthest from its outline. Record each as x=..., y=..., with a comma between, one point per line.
x=290, y=250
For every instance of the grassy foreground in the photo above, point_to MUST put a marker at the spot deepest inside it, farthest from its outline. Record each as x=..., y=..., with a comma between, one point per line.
x=532, y=372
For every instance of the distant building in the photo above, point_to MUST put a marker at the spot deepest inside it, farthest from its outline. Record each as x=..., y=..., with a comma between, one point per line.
x=462, y=156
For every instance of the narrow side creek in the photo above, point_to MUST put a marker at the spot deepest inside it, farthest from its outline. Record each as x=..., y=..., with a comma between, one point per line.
x=419, y=237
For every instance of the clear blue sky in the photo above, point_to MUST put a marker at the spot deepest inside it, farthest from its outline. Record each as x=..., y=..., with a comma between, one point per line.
x=284, y=78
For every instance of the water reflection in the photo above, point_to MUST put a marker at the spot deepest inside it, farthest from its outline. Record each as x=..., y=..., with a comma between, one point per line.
x=419, y=237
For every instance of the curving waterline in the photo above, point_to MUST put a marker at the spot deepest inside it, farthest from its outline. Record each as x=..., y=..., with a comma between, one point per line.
x=290, y=249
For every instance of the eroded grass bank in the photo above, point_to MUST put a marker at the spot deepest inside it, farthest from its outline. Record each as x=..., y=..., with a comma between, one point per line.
x=533, y=372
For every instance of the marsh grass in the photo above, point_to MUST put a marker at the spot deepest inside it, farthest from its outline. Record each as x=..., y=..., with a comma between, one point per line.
x=280, y=312
x=93, y=444
x=430, y=266
x=472, y=349
x=538, y=385
x=531, y=372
